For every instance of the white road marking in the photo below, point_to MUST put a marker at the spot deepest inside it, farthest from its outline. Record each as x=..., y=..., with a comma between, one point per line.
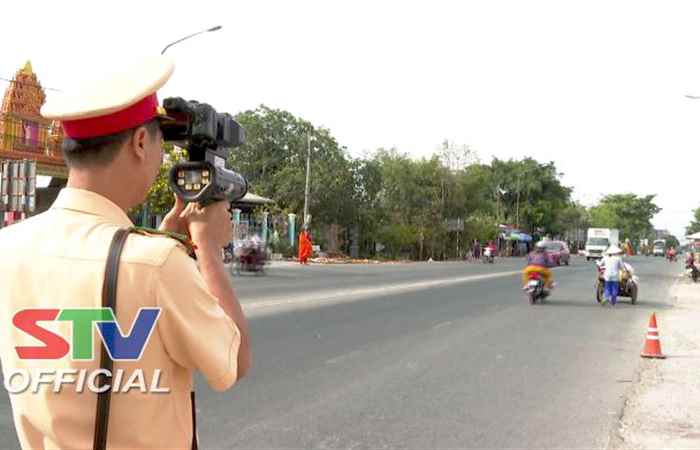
x=317, y=298
x=442, y=324
x=344, y=356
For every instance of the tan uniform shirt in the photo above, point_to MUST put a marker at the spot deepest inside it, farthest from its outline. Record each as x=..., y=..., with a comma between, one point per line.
x=57, y=260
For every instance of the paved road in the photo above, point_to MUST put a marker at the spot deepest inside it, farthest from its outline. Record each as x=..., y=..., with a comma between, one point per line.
x=292, y=279
x=425, y=356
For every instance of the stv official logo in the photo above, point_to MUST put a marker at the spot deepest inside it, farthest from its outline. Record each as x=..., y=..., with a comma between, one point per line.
x=120, y=346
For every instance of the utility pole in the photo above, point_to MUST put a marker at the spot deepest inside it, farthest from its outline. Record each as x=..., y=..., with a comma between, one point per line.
x=517, y=206
x=145, y=211
x=308, y=177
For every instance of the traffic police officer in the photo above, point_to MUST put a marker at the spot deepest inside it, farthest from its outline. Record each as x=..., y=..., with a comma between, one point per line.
x=56, y=260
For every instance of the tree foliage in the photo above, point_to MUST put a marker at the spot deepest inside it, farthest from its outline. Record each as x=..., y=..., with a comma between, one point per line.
x=629, y=213
x=672, y=241
x=273, y=159
x=409, y=205
x=694, y=226
x=528, y=193
x=160, y=199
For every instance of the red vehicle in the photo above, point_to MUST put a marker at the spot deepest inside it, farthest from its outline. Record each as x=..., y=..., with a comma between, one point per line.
x=558, y=253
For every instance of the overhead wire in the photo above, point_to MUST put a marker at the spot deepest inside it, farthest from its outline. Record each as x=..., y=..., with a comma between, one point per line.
x=28, y=84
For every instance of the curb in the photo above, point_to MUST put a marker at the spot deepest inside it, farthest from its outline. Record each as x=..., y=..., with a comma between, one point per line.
x=616, y=440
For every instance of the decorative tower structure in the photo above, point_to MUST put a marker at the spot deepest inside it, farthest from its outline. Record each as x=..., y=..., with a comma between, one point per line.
x=24, y=134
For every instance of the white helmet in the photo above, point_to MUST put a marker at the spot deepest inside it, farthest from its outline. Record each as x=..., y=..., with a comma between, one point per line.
x=541, y=245
x=613, y=250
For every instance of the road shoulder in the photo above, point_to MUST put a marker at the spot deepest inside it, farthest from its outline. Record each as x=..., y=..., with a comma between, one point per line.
x=663, y=406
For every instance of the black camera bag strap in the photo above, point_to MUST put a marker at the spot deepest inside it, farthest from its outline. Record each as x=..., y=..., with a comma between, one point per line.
x=109, y=300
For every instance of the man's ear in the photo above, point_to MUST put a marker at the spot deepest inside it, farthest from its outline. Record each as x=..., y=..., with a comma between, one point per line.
x=138, y=143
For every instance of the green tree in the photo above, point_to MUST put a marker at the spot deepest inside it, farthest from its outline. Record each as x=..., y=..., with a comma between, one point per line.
x=572, y=221
x=604, y=217
x=414, y=192
x=480, y=226
x=159, y=199
x=532, y=193
x=479, y=190
x=629, y=213
x=367, y=187
x=273, y=159
x=398, y=238
x=694, y=226
x=672, y=241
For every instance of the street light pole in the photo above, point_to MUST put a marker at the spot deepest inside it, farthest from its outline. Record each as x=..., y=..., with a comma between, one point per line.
x=517, y=206
x=208, y=30
x=145, y=211
x=308, y=176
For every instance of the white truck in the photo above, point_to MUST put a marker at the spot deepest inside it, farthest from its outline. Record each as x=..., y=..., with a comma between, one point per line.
x=659, y=248
x=598, y=240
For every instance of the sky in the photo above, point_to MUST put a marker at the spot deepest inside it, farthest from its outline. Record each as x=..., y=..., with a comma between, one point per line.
x=597, y=87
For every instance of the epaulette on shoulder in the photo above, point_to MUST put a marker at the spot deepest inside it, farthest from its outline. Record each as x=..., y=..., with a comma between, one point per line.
x=181, y=238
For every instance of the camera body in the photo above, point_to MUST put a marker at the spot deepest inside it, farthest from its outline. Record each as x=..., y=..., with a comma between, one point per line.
x=208, y=137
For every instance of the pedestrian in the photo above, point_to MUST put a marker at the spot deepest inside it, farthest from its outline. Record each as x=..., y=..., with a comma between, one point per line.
x=305, y=246
x=181, y=315
x=612, y=265
x=476, y=250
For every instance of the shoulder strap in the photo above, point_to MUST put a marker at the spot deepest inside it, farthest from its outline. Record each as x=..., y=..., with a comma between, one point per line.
x=109, y=300
x=181, y=238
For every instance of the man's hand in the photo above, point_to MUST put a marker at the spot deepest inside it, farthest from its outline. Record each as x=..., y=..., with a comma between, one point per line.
x=174, y=222
x=209, y=226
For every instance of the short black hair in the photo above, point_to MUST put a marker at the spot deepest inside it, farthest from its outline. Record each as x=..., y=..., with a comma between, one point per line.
x=101, y=150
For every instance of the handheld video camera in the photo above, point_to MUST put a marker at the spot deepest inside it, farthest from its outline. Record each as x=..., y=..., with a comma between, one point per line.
x=208, y=137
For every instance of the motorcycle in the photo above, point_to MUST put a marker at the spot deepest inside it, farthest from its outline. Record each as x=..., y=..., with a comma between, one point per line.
x=535, y=288
x=629, y=285
x=487, y=256
x=692, y=271
x=228, y=254
x=672, y=257
x=250, y=256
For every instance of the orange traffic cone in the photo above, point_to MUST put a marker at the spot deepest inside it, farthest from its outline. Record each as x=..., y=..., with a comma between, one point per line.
x=652, y=346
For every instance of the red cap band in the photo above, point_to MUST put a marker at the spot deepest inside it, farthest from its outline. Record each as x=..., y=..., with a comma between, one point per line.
x=131, y=117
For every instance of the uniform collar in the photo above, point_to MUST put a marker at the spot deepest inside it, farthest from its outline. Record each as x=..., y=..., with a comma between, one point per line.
x=89, y=202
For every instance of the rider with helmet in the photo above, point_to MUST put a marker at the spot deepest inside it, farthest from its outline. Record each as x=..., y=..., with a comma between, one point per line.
x=539, y=261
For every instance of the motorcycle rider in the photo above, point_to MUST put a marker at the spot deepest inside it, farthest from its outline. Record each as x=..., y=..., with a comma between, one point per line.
x=539, y=261
x=490, y=250
x=691, y=264
x=671, y=255
x=613, y=267
x=690, y=259
x=492, y=246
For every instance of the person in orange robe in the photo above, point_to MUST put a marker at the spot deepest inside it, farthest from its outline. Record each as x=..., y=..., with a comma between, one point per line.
x=304, y=247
